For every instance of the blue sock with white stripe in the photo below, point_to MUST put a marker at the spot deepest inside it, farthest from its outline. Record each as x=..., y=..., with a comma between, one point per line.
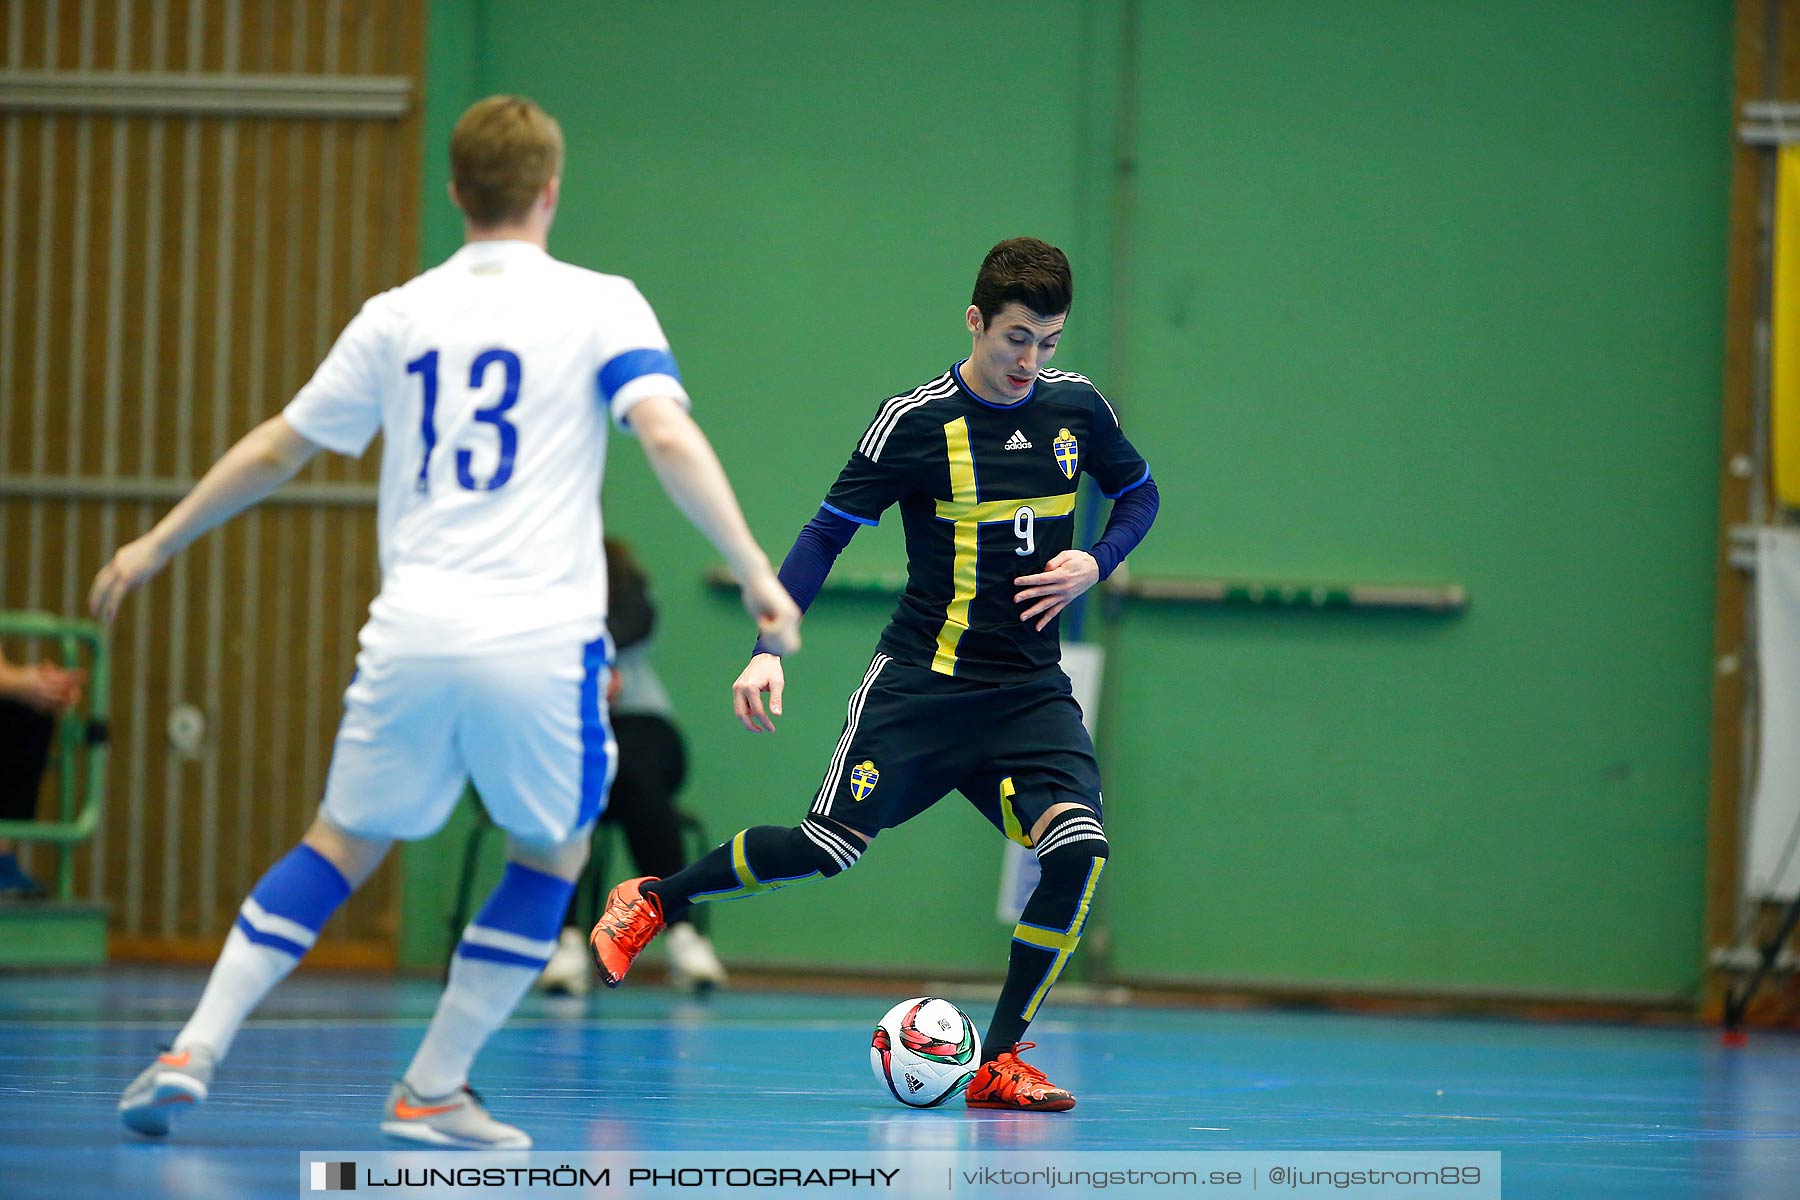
x=277, y=924
x=502, y=951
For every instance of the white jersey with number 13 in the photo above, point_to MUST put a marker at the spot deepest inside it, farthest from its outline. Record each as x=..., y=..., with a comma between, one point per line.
x=489, y=377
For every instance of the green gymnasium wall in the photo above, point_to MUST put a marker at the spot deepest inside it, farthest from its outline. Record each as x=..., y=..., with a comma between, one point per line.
x=1413, y=292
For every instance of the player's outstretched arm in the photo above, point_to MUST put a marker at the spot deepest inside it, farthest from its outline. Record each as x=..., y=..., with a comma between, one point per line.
x=690, y=472
x=263, y=459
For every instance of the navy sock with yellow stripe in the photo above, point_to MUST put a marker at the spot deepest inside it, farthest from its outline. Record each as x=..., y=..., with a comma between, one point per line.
x=760, y=859
x=1072, y=854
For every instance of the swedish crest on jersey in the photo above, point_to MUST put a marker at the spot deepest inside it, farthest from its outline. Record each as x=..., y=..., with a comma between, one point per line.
x=1068, y=454
x=863, y=778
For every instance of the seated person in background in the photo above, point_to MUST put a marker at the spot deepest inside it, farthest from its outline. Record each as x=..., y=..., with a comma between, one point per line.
x=30, y=700
x=652, y=768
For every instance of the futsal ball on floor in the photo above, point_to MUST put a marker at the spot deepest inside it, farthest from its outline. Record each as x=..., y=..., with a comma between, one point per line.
x=925, y=1051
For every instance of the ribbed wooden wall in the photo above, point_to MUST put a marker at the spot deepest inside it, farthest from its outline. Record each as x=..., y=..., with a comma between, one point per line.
x=169, y=280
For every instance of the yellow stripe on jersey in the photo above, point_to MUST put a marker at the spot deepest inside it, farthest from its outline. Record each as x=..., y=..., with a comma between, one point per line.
x=962, y=570
x=970, y=512
x=990, y=512
x=962, y=460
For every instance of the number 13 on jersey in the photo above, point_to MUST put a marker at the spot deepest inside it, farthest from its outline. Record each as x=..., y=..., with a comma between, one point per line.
x=426, y=368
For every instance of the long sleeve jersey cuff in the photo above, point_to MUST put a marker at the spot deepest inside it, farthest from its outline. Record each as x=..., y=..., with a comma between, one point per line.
x=1132, y=515
x=804, y=569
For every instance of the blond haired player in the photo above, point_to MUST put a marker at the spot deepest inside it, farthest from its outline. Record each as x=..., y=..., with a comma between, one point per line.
x=492, y=379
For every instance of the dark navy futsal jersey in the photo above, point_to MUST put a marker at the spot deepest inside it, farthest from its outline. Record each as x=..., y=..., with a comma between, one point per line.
x=986, y=493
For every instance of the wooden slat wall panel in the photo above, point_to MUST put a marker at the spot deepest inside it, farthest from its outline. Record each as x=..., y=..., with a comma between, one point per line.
x=168, y=282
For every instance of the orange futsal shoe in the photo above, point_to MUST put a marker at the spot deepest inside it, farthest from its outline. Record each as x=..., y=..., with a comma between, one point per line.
x=631, y=919
x=1010, y=1082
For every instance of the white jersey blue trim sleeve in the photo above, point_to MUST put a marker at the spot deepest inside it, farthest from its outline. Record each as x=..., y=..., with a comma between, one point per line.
x=636, y=362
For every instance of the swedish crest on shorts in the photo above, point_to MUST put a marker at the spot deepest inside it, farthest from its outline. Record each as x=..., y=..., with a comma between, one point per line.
x=1068, y=454
x=863, y=778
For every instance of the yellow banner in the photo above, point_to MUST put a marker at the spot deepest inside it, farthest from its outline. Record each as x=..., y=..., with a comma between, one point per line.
x=1784, y=400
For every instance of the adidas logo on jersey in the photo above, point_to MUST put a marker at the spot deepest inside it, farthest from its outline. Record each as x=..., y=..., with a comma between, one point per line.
x=1018, y=441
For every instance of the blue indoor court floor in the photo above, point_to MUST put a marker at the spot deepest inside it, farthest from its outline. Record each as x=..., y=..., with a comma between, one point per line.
x=1576, y=1110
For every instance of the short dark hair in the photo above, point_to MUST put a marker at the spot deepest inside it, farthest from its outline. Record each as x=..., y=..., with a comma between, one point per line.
x=1027, y=271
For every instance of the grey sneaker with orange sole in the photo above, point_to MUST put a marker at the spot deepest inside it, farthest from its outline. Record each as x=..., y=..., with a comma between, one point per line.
x=177, y=1080
x=456, y=1121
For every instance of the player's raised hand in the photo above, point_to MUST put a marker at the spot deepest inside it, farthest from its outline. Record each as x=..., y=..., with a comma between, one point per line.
x=132, y=566
x=1064, y=577
x=776, y=615
x=763, y=674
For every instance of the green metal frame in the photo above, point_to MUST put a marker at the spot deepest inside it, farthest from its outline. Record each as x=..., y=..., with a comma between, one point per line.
x=79, y=733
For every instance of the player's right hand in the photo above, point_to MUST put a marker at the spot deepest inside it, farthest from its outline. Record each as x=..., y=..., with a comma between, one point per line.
x=776, y=615
x=131, y=567
x=764, y=674
x=46, y=687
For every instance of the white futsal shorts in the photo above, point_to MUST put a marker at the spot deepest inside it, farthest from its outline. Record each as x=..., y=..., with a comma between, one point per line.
x=528, y=728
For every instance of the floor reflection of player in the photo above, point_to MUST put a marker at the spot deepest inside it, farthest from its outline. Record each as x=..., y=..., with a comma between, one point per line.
x=903, y=1131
